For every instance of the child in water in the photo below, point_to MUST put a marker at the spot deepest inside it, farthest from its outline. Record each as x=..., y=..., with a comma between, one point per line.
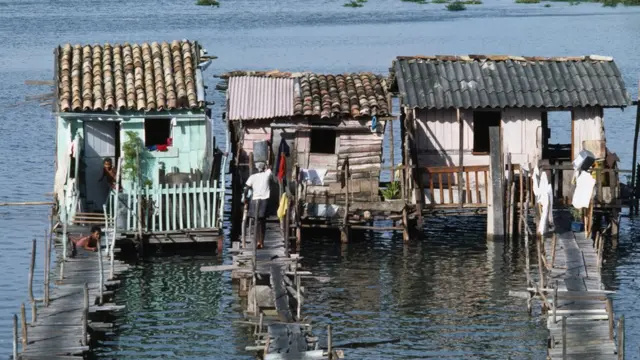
x=89, y=242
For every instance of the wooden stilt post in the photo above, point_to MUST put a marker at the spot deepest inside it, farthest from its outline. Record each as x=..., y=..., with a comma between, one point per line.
x=508, y=204
x=32, y=266
x=391, y=145
x=610, y=315
x=564, y=337
x=34, y=313
x=25, y=336
x=525, y=224
x=15, y=337
x=47, y=265
x=344, y=234
x=101, y=275
x=460, y=157
x=85, y=315
x=540, y=265
x=553, y=249
x=329, y=343
x=495, y=211
x=634, y=178
x=621, y=338
x=555, y=301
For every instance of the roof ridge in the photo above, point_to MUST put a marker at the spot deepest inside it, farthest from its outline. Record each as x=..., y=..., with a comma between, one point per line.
x=495, y=57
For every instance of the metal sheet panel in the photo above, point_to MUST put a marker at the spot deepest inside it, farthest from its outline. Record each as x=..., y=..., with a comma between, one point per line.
x=258, y=97
x=476, y=81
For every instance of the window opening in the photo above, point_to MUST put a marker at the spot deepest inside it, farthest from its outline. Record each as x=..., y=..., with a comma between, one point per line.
x=482, y=121
x=323, y=141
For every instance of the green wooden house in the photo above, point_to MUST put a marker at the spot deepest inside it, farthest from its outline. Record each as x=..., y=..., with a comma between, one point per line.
x=142, y=106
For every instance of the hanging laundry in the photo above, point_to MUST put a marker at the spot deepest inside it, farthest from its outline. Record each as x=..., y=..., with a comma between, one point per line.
x=162, y=147
x=313, y=176
x=169, y=141
x=283, y=152
x=374, y=123
x=284, y=205
x=282, y=167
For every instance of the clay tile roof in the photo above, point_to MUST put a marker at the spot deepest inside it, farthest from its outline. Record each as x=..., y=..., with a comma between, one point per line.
x=500, y=81
x=263, y=95
x=137, y=77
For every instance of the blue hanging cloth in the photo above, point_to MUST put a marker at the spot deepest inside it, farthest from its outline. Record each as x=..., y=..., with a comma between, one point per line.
x=374, y=123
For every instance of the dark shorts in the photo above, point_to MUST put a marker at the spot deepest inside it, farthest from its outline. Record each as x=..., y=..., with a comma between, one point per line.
x=259, y=206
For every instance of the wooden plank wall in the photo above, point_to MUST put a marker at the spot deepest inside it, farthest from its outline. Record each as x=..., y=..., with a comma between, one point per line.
x=438, y=137
x=588, y=124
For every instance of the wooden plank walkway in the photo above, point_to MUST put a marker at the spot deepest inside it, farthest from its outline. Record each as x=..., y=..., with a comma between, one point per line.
x=580, y=298
x=274, y=296
x=59, y=329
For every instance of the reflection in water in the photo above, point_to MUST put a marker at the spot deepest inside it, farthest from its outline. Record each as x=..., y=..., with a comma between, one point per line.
x=444, y=296
x=175, y=311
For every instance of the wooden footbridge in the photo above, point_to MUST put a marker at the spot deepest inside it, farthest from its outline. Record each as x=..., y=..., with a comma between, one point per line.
x=76, y=304
x=580, y=313
x=270, y=278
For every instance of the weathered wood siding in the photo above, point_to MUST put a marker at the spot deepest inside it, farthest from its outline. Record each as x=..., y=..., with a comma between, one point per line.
x=438, y=136
x=588, y=124
x=354, y=140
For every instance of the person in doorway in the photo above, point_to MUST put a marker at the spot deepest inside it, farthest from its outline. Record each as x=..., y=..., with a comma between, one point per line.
x=109, y=172
x=260, y=185
x=89, y=242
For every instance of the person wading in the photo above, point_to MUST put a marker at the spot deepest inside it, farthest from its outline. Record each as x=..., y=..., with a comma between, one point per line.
x=260, y=185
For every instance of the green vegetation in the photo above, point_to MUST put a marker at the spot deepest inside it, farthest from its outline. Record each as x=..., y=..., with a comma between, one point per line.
x=439, y=1
x=576, y=214
x=456, y=6
x=527, y=1
x=610, y=3
x=208, y=3
x=135, y=158
x=421, y=2
x=392, y=191
x=355, y=3
x=472, y=2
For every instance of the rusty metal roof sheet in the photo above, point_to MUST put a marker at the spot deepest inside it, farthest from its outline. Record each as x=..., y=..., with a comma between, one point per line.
x=142, y=77
x=261, y=95
x=496, y=81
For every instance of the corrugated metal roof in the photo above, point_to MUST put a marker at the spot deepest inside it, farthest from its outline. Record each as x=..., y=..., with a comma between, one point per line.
x=251, y=95
x=258, y=97
x=479, y=81
x=143, y=77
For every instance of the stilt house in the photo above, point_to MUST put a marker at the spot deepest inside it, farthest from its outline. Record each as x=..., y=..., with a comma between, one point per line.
x=450, y=102
x=142, y=106
x=323, y=120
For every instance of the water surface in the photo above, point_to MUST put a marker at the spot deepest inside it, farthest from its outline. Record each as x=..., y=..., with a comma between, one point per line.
x=442, y=296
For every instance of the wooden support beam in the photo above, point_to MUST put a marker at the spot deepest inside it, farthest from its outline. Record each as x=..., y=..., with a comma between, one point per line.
x=495, y=211
x=634, y=179
x=32, y=266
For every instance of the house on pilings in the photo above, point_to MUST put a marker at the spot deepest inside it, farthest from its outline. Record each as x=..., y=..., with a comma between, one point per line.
x=142, y=106
x=324, y=120
x=449, y=103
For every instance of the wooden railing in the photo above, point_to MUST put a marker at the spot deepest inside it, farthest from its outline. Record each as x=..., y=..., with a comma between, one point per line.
x=444, y=188
x=169, y=208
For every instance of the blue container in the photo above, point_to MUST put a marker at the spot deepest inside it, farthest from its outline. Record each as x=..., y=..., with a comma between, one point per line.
x=577, y=226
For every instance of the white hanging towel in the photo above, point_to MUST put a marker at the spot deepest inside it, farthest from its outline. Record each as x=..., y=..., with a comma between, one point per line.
x=544, y=197
x=585, y=184
x=314, y=176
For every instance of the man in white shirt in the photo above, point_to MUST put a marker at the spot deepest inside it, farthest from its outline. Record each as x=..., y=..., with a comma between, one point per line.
x=260, y=184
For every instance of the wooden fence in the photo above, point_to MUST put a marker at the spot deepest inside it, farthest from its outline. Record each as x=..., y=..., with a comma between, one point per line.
x=445, y=188
x=168, y=208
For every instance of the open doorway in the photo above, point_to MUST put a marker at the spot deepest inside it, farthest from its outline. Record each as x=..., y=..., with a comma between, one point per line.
x=101, y=141
x=556, y=135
